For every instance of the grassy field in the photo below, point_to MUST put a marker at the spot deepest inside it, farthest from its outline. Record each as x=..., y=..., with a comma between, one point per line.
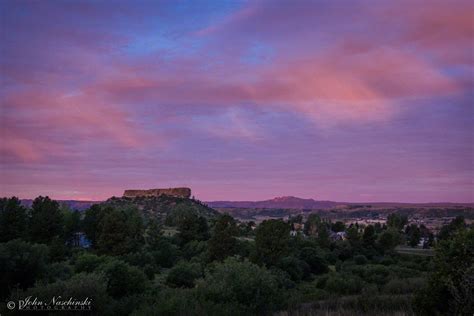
x=414, y=251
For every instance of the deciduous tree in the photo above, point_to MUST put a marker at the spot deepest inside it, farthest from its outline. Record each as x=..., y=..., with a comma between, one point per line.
x=271, y=241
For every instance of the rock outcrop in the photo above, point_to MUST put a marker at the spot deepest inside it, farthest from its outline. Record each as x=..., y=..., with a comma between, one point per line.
x=177, y=192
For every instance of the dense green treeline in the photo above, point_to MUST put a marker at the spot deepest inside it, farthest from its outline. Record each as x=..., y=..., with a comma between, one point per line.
x=125, y=263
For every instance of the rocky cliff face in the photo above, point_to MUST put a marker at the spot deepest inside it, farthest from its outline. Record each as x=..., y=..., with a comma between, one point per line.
x=177, y=192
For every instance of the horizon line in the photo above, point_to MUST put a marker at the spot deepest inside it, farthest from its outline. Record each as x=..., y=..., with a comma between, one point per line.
x=240, y=201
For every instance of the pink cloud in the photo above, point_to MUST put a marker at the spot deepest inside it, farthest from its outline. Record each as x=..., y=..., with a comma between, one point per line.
x=359, y=79
x=20, y=148
x=443, y=29
x=34, y=119
x=333, y=85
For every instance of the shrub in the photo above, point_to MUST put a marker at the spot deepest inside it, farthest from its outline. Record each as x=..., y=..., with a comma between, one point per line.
x=295, y=268
x=183, y=274
x=372, y=273
x=386, y=261
x=314, y=259
x=59, y=271
x=171, y=302
x=80, y=287
x=282, y=278
x=144, y=260
x=166, y=254
x=343, y=250
x=344, y=284
x=450, y=289
x=360, y=259
x=88, y=262
x=243, y=283
x=21, y=264
x=123, y=279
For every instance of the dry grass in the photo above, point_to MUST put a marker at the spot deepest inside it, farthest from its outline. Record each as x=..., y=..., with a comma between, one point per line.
x=383, y=305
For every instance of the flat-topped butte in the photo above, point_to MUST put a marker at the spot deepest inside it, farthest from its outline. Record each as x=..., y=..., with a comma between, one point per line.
x=177, y=192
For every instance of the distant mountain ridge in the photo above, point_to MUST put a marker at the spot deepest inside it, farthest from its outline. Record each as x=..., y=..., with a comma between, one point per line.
x=291, y=202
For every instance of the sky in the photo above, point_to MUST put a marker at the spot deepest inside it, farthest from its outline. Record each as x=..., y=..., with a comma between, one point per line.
x=357, y=101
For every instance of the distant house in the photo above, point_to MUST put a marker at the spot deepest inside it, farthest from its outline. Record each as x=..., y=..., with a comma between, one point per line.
x=423, y=242
x=337, y=236
x=296, y=229
x=298, y=226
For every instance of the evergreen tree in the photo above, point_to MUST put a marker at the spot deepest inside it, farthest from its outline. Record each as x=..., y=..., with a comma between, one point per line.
x=153, y=234
x=413, y=233
x=13, y=219
x=223, y=243
x=323, y=235
x=46, y=222
x=120, y=231
x=312, y=224
x=90, y=223
x=368, y=238
x=388, y=240
x=192, y=227
x=353, y=237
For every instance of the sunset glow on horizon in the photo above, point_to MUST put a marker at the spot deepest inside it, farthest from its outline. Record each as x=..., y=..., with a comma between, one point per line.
x=358, y=101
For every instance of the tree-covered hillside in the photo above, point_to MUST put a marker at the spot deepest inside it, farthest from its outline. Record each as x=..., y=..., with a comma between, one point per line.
x=165, y=209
